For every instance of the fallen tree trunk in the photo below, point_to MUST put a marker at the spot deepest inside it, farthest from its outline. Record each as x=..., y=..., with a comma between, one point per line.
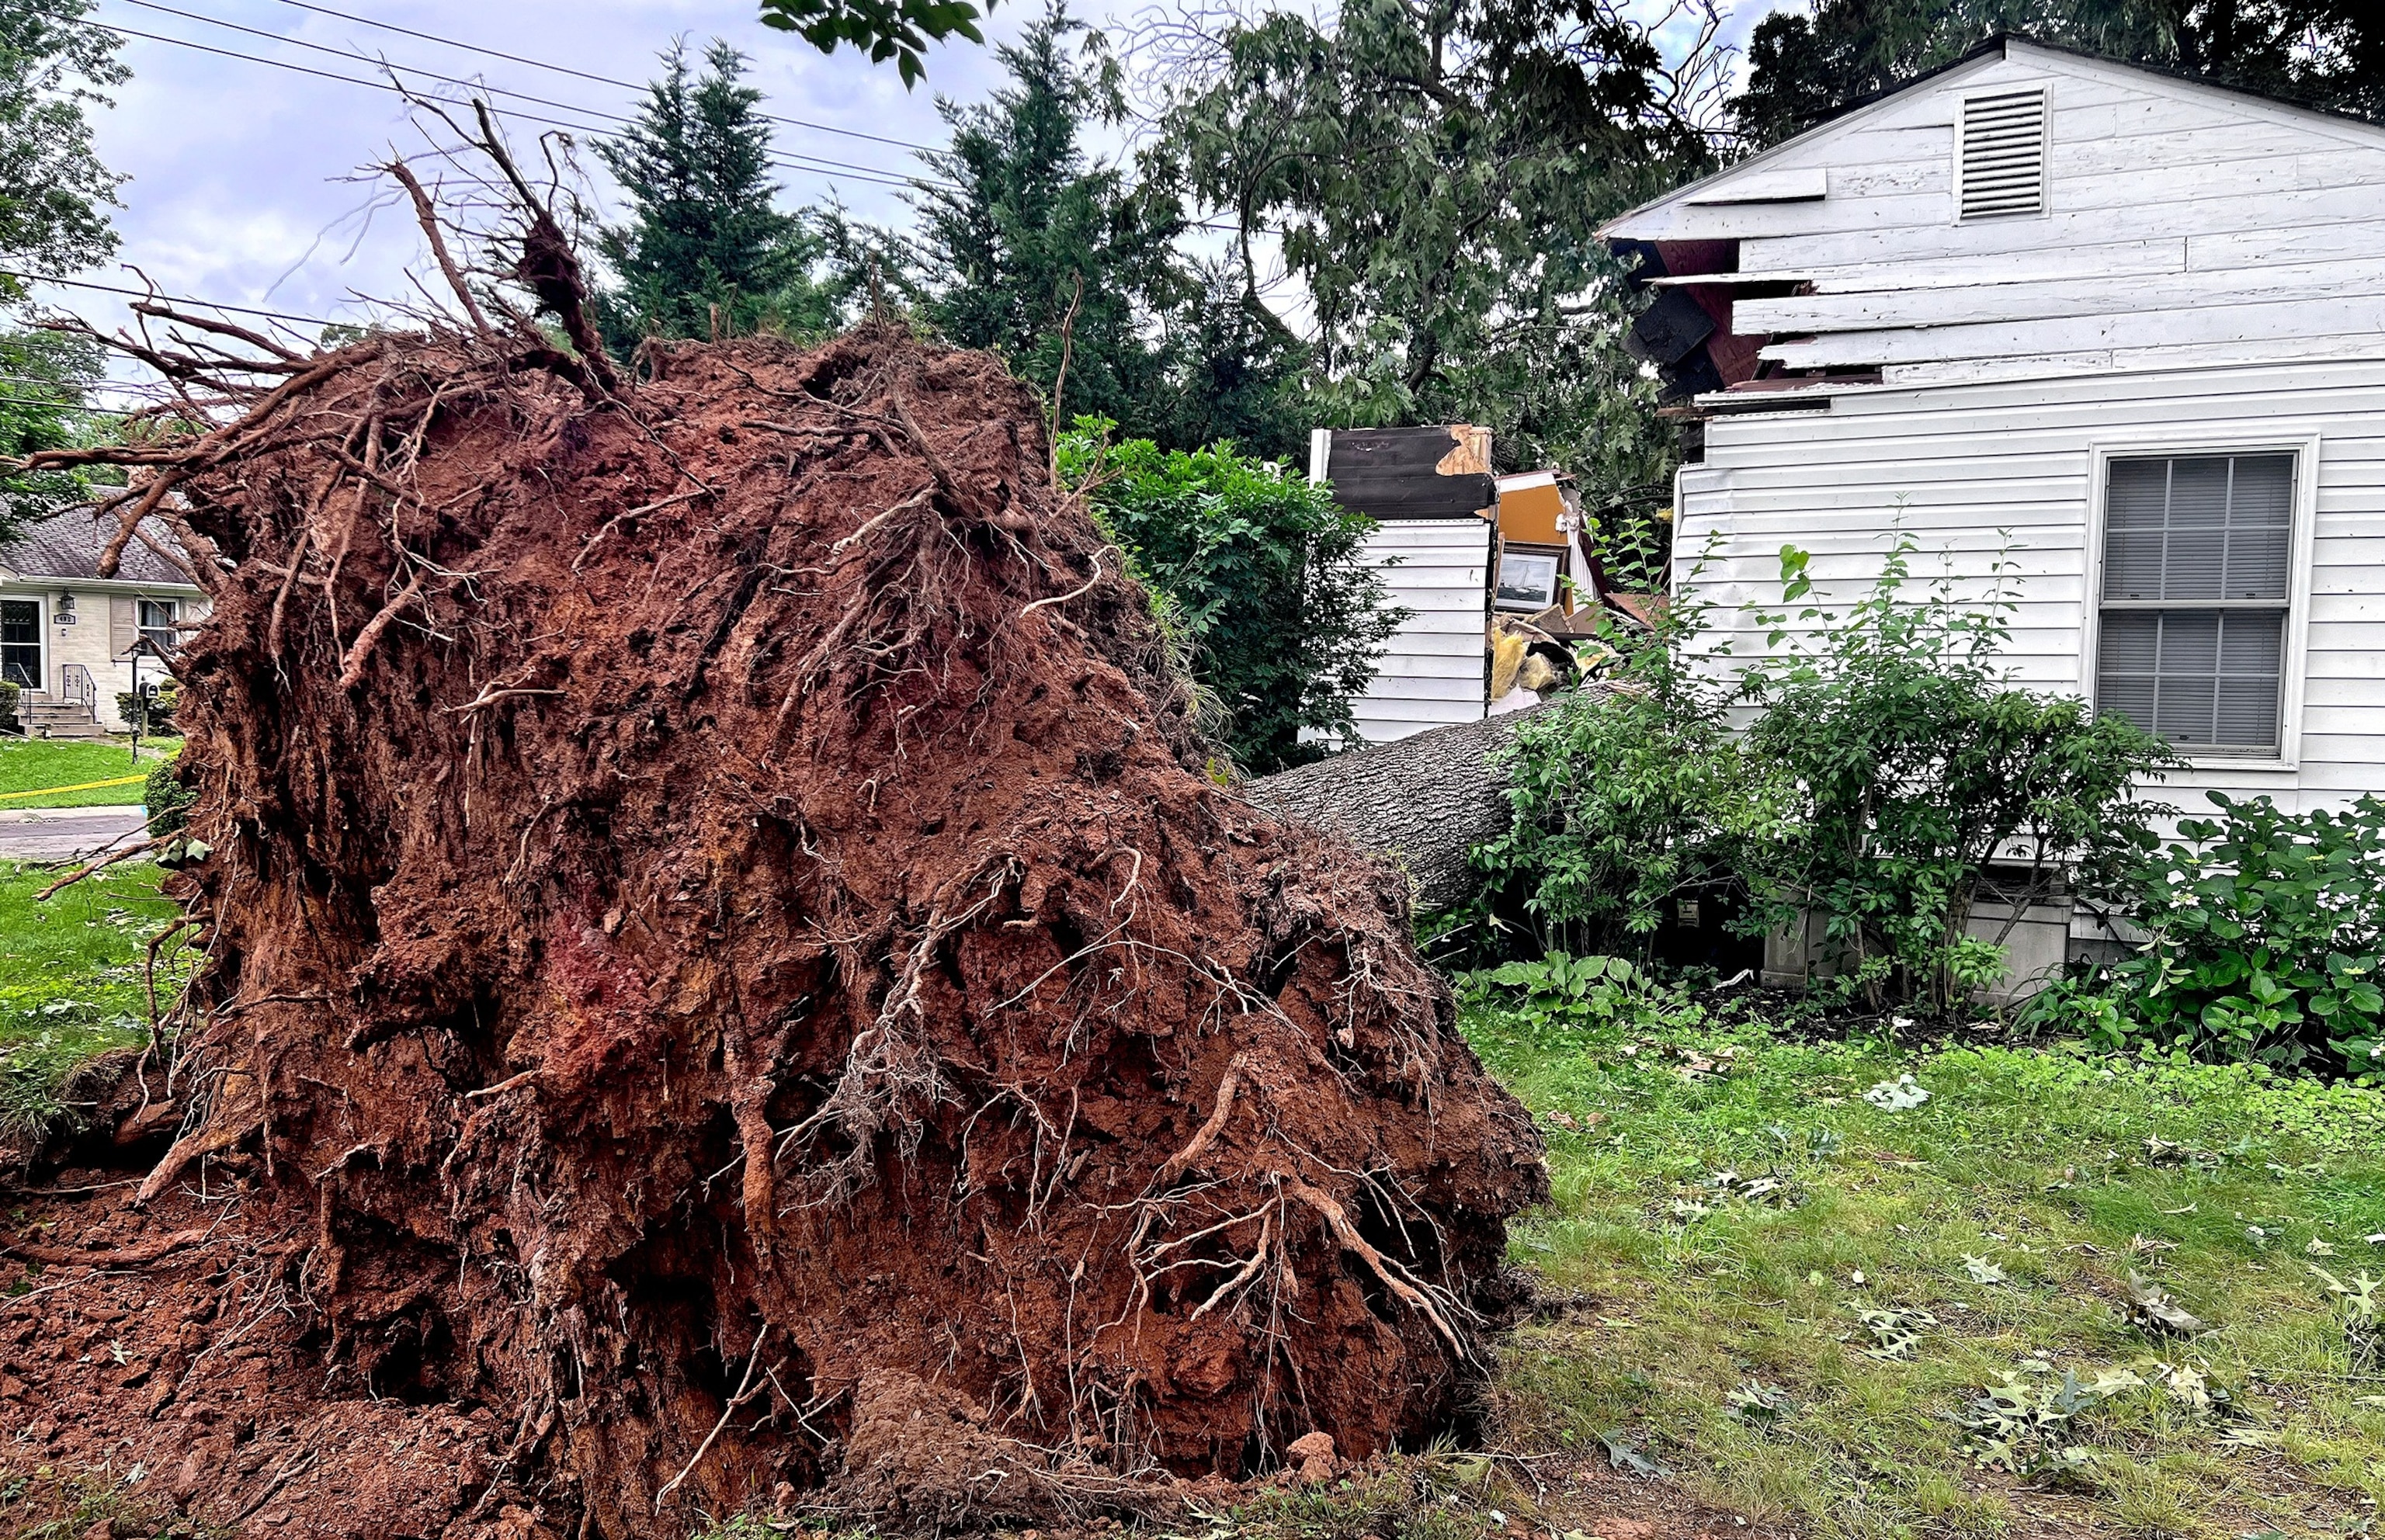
x=1421, y=803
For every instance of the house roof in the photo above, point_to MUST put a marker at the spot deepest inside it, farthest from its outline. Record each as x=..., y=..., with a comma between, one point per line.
x=1999, y=45
x=68, y=547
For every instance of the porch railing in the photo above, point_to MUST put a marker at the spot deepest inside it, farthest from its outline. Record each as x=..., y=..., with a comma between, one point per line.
x=77, y=688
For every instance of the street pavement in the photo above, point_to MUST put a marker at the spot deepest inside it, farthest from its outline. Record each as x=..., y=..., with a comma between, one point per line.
x=64, y=833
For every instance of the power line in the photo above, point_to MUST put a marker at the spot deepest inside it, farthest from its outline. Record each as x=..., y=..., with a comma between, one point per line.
x=787, y=162
x=582, y=74
x=791, y=160
x=171, y=299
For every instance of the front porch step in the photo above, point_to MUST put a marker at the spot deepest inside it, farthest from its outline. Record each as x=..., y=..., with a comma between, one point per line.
x=57, y=719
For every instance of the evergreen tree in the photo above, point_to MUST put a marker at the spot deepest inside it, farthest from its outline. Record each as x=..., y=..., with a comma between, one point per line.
x=704, y=238
x=1029, y=231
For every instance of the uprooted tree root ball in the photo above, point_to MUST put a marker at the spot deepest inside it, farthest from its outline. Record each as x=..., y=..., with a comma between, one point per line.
x=728, y=968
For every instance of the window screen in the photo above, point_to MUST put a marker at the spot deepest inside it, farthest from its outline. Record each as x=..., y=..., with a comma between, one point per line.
x=2197, y=551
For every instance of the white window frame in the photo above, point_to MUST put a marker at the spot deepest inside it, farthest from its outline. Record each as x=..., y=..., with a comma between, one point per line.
x=171, y=628
x=41, y=630
x=2306, y=451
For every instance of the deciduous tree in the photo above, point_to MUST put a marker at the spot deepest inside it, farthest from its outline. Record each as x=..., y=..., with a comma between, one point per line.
x=54, y=199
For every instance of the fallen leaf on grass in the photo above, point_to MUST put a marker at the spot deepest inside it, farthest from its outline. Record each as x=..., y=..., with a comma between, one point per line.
x=1760, y=1404
x=1899, y=1095
x=1628, y=1461
x=1983, y=1271
x=2154, y=1307
x=1895, y=1333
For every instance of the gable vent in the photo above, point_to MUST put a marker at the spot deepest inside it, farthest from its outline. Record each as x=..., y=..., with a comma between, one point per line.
x=2001, y=165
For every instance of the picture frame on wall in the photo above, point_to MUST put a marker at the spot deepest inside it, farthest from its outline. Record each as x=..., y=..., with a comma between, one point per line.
x=1529, y=578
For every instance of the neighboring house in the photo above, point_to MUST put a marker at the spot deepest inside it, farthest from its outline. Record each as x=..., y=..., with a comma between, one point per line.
x=1457, y=544
x=66, y=635
x=1430, y=491
x=2124, y=329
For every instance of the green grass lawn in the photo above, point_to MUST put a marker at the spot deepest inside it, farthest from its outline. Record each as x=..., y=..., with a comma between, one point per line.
x=70, y=979
x=1828, y=1313
x=31, y=765
x=1795, y=1300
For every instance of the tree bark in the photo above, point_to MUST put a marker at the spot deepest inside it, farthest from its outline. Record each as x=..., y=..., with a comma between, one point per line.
x=1421, y=803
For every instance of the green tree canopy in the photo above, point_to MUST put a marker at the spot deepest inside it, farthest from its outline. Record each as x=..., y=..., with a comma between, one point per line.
x=1433, y=174
x=897, y=30
x=54, y=194
x=1805, y=68
x=702, y=234
x=54, y=199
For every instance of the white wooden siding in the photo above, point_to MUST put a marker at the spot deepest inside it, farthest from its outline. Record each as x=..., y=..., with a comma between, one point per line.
x=2006, y=469
x=2185, y=227
x=1430, y=673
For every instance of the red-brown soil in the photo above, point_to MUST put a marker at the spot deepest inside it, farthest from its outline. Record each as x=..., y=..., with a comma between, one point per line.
x=731, y=982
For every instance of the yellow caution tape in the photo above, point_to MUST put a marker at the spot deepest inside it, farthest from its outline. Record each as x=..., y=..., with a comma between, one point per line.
x=87, y=786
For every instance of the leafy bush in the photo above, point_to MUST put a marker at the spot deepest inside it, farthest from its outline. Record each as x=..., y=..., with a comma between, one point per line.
x=1626, y=800
x=161, y=704
x=1916, y=765
x=1559, y=996
x=8, y=694
x=1262, y=574
x=2269, y=937
x=168, y=799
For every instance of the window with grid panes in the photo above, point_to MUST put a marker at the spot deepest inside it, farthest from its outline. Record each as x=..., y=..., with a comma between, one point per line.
x=2197, y=555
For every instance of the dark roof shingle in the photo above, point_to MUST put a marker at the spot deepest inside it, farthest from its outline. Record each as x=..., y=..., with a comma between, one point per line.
x=67, y=546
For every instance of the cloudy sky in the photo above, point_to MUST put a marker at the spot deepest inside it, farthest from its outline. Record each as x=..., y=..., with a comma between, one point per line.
x=244, y=175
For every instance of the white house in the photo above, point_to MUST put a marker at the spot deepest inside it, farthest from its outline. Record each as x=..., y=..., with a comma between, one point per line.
x=67, y=635
x=2127, y=328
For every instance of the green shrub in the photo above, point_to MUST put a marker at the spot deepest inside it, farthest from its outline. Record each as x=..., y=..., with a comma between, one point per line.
x=1262, y=576
x=9, y=691
x=2268, y=937
x=168, y=799
x=1559, y=998
x=160, y=719
x=1916, y=765
x=1626, y=799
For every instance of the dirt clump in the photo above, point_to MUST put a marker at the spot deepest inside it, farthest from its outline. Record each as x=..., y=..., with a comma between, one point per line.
x=729, y=975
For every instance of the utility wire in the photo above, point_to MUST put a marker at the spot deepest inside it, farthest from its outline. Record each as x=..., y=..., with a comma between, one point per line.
x=171, y=299
x=791, y=160
x=582, y=74
x=785, y=162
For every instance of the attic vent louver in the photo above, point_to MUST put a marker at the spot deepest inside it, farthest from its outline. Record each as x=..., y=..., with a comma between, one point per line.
x=2002, y=163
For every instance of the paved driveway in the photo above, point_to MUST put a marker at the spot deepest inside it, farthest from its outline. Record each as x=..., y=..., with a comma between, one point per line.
x=63, y=833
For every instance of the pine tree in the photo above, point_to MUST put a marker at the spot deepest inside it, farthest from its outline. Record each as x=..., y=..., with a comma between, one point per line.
x=704, y=249
x=1031, y=229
